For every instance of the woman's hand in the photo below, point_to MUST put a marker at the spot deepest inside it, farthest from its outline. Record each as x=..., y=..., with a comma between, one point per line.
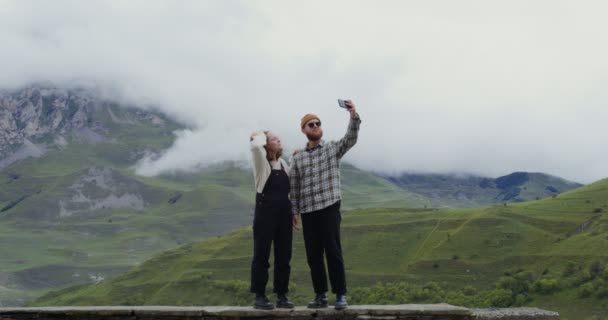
x=296, y=221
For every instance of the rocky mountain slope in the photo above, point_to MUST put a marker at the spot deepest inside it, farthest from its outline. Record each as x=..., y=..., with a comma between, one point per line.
x=36, y=119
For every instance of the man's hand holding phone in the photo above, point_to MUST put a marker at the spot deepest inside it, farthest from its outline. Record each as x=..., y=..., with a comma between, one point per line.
x=348, y=105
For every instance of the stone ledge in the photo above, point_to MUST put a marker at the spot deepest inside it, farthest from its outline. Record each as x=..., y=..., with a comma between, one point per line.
x=360, y=312
x=514, y=313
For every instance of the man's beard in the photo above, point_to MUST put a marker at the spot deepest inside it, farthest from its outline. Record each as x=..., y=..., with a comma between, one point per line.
x=314, y=136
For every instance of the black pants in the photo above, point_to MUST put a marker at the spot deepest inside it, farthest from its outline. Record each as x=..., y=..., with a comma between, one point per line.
x=322, y=235
x=272, y=224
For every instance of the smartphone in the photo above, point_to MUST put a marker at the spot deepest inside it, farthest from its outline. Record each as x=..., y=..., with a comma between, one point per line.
x=342, y=104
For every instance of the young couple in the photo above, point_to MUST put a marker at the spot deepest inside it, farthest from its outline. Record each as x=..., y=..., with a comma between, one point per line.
x=308, y=187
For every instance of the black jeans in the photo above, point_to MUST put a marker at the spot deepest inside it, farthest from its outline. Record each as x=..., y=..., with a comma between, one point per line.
x=271, y=224
x=322, y=236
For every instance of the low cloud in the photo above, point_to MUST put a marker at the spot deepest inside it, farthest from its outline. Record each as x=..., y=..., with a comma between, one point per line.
x=474, y=86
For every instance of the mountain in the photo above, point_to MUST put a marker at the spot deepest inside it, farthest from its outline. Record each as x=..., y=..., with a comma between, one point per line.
x=73, y=211
x=538, y=253
x=38, y=119
x=462, y=191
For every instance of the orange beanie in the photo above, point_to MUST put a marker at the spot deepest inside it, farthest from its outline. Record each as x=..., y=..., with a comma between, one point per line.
x=307, y=118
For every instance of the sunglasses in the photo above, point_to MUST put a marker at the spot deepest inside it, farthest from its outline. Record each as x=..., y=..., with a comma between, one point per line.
x=314, y=124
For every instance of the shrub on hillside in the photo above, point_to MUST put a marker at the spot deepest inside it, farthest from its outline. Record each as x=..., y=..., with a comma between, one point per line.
x=598, y=288
x=431, y=292
x=520, y=282
x=238, y=290
x=459, y=299
x=582, y=277
x=601, y=289
x=585, y=290
x=571, y=268
x=469, y=291
x=398, y=293
x=521, y=300
x=499, y=298
x=596, y=268
x=546, y=286
x=381, y=293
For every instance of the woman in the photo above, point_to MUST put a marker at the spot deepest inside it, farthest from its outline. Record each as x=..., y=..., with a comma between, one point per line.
x=272, y=222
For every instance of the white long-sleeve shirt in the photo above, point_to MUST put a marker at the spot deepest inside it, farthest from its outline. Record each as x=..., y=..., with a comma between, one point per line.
x=261, y=166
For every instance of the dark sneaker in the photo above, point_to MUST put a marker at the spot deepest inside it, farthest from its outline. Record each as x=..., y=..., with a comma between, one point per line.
x=283, y=302
x=320, y=301
x=341, y=302
x=261, y=302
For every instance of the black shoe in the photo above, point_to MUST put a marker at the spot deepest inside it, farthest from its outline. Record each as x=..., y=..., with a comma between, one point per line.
x=261, y=302
x=283, y=302
x=341, y=302
x=320, y=301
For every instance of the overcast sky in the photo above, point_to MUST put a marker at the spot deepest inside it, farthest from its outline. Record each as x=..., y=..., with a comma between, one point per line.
x=483, y=87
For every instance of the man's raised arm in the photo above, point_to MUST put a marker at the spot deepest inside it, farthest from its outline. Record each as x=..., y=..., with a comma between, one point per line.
x=352, y=133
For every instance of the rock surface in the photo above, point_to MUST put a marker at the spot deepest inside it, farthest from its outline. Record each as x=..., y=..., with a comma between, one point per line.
x=36, y=118
x=384, y=312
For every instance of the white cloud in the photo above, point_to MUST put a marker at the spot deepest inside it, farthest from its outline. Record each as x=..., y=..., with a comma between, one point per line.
x=468, y=86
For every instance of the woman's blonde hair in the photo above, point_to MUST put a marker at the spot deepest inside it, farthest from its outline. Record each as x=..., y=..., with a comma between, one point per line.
x=279, y=153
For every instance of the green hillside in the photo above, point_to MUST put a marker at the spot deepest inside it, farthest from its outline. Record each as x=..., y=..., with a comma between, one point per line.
x=362, y=189
x=466, y=191
x=537, y=253
x=81, y=214
x=76, y=212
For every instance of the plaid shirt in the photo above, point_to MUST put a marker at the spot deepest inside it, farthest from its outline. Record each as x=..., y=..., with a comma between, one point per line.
x=315, y=173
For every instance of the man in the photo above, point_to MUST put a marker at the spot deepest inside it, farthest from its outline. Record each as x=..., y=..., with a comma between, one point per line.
x=315, y=195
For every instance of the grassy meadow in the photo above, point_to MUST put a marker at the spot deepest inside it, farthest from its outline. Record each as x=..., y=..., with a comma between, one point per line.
x=549, y=253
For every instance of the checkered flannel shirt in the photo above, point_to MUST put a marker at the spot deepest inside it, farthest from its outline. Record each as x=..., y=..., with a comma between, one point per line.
x=315, y=173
